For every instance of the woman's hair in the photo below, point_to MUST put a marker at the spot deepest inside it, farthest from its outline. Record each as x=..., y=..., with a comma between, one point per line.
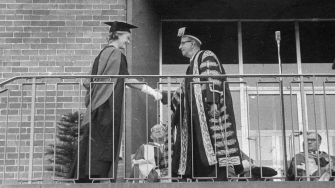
x=113, y=36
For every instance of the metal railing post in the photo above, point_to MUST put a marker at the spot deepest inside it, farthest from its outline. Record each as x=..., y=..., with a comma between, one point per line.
x=32, y=132
x=302, y=93
x=169, y=130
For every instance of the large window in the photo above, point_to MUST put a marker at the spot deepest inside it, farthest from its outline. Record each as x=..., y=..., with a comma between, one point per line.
x=258, y=44
x=219, y=37
x=317, y=42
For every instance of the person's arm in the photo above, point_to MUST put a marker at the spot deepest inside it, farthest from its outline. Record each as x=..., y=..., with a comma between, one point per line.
x=332, y=163
x=156, y=94
x=297, y=165
x=134, y=86
x=327, y=168
x=139, y=156
x=247, y=162
x=210, y=66
x=290, y=171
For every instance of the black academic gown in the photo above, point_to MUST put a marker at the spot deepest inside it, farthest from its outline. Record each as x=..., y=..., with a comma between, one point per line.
x=106, y=127
x=212, y=140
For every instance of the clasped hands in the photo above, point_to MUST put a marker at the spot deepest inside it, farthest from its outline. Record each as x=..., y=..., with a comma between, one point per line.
x=155, y=93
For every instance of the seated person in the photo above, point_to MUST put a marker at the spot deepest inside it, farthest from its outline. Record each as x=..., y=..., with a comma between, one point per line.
x=314, y=160
x=150, y=161
x=257, y=173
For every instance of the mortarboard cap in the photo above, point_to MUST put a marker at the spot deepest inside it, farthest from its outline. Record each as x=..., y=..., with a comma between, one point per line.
x=119, y=26
x=190, y=32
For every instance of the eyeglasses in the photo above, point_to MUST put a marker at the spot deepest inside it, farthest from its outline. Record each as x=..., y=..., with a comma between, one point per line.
x=158, y=129
x=183, y=42
x=311, y=140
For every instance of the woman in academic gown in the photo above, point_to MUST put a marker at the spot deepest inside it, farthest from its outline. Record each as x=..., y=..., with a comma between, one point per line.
x=104, y=108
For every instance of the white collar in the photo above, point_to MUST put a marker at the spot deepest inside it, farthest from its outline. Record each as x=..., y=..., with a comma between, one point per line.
x=194, y=55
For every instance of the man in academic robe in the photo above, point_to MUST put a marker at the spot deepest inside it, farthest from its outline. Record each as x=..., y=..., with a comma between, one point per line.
x=203, y=116
x=151, y=161
x=320, y=164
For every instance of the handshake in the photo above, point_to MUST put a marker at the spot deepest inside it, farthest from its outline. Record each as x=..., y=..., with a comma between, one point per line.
x=155, y=93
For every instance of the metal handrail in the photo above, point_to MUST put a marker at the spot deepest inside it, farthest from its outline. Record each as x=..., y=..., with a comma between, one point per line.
x=165, y=76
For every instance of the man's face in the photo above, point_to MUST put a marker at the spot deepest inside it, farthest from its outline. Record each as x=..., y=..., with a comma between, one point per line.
x=313, y=144
x=123, y=40
x=186, y=47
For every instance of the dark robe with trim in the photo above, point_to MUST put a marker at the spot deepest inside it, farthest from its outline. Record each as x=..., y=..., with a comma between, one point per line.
x=214, y=139
x=315, y=161
x=106, y=127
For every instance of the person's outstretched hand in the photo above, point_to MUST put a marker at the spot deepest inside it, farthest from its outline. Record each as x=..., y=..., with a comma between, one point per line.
x=155, y=93
x=158, y=95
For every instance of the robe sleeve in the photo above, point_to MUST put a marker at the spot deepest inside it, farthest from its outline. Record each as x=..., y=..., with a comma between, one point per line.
x=300, y=159
x=333, y=162
x=108, y=64
x=211, y=66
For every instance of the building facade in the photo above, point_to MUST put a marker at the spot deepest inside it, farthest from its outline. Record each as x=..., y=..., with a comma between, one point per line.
x=62, y=37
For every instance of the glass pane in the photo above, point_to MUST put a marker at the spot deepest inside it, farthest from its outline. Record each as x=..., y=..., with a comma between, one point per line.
x=269, y=112
x=291, y=112
x=322, y=118
x=260, y=46
x=330, y=109
x=317, y=41
x=235, y=93
x=317, y=112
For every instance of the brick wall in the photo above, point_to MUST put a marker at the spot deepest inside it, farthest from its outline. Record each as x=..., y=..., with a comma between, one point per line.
x=45, y=37
x=41, y=37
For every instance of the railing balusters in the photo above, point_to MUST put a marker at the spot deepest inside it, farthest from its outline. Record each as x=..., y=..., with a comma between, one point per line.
x=28, y=167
